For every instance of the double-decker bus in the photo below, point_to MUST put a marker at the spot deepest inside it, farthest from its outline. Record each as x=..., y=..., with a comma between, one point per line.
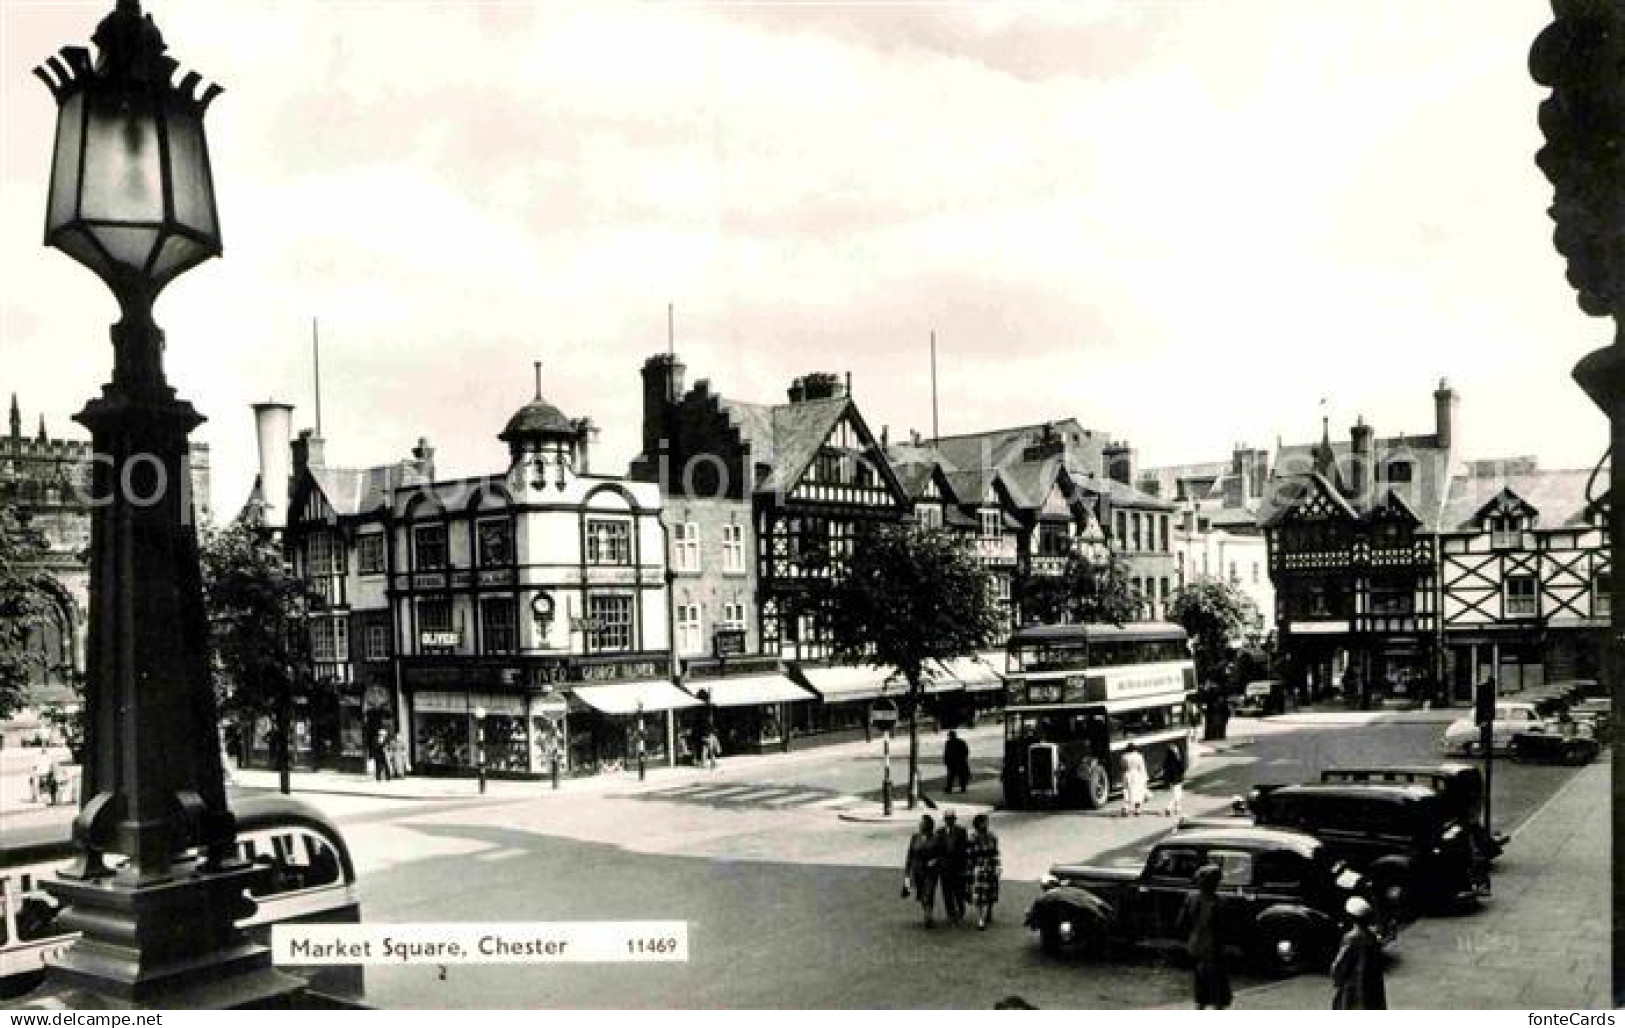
x=1077, y=695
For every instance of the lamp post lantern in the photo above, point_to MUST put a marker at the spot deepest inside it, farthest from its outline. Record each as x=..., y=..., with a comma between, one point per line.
x=131, y=197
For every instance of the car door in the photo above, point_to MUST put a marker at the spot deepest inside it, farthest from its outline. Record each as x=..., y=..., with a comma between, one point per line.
x=1510, y=721
x=1159, y=898
x=1238, y=894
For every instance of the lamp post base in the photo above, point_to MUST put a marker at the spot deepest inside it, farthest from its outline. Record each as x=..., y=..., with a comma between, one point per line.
x=171, y=944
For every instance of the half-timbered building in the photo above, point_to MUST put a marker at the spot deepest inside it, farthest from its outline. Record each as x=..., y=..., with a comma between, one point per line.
x=1350, y=530
x=1525, y=572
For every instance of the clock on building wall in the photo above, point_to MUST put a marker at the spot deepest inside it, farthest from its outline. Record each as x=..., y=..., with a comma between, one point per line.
x=541, y=608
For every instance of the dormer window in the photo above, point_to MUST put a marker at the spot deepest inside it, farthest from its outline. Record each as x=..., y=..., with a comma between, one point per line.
x=1399, y=471
x=1506, y=531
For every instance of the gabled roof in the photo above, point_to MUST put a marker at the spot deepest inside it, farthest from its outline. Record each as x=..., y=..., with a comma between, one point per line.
x=1285, y=495
x=786, y=437
x=1556, y=499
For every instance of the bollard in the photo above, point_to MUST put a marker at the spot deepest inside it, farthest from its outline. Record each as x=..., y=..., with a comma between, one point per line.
x=555, y=763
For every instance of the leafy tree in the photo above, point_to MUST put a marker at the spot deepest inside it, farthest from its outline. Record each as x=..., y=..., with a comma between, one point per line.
x=1215, y=614
x=260, y=642
x=911, y=597
x=1086, y=592
x=30, y=601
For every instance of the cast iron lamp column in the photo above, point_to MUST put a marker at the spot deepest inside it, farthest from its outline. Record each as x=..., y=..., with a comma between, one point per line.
x=132, y=198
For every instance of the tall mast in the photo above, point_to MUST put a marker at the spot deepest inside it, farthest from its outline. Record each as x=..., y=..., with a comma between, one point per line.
x=316, y=365
x=935, y=429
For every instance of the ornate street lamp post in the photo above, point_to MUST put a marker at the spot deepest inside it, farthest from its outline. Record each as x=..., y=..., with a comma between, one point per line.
x=131, y=198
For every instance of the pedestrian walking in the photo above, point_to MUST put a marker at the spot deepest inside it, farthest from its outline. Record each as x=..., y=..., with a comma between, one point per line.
x=1357, y=968
x=985, y=870
x=921, y=866
x=1200, y=919
x=955, y=857
x=1136, y=781
x=380, y=755
x=1173, y=776
x=399, y=762
x=713, y=748
x=956, y=758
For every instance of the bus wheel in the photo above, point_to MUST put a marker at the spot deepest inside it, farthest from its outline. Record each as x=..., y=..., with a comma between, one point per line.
x=1097, y=787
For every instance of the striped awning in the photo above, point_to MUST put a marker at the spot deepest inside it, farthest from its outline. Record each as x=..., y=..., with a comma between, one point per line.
x=976, y=674
x=630, y=697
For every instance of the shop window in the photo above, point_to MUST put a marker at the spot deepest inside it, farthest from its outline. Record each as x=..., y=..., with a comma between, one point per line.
x=1521, y=597
x=377, y=642
x=686, y=546
x=609, y=542
x=496, y=543
x=733, y=549
x=429, y=547
x=370, y=554
x=690, y=641
x=499, y=624
x=612, y=620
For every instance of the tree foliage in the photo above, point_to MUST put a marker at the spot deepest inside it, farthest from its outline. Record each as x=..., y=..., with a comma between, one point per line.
x=257, y=612
x=1086, y=592
x=912, y=596
x=30, y=601
x=1216, y=615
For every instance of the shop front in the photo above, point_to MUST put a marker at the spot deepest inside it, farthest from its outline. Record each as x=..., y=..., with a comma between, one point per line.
x=980, y=689
x=748, y=701
x=609, y=723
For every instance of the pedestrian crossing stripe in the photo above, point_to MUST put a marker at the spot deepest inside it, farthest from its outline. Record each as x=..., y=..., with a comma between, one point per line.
x=781, y=797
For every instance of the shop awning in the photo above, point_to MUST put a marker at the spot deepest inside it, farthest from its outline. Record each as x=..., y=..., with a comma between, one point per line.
x=976, y=674
x=748, y=690
x=627, y=697
x=937, y=681
x=837, y=684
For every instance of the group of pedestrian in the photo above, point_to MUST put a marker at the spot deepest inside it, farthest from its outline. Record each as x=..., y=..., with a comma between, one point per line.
x=1357, y=975
x=388, y=755
x=707, y=746
x=1137, y=781
x=965, y=867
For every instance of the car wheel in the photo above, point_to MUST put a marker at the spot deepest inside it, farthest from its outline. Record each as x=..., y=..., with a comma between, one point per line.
x=1392, y=891
x=1049, y=937
x=1286, y=950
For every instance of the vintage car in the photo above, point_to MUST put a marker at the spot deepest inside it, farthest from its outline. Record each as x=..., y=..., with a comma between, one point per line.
x=1460, y=788
x=311, y=878
x=1597, y=714
x=1561, y=740
x=1281, y=897
x=1416, y=846
x=1464, y=736
x=1262, y=697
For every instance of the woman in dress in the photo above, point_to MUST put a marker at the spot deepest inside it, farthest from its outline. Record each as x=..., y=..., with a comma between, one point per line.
x=984, y=870
x=920, y=867
x=1136, y=781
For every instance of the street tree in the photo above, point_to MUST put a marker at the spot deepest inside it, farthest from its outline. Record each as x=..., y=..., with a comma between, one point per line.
x=1216, y=615
x=31, y=601
x=911, y=598
x=1088, y=591
x=258, y=614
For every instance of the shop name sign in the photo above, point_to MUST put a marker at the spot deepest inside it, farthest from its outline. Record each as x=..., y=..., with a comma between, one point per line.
x=729, y=642
x=621, y=669
x=442, y=640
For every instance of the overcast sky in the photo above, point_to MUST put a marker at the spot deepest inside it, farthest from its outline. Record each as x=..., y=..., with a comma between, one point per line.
x=1181, y=223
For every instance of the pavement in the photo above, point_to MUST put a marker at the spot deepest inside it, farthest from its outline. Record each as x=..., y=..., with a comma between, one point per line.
x=1541, y=941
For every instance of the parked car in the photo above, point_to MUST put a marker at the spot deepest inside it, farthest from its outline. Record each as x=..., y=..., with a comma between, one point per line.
x=1281, y=898
x=1562, y=740
x=312, y=878
x=1596, y=713
x=1262, y=697
x=1414, y=845
x=1460, y=788
x=1512, y=717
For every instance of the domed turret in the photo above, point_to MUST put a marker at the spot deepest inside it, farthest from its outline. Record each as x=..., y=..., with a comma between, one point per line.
x=541, y=436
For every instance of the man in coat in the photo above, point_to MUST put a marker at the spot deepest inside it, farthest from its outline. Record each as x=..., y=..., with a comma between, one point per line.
x=954, y=854
x=956, y=758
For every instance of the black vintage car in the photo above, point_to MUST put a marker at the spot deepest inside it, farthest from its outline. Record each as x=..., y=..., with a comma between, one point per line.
x=1417, y=850
x=1460, y=788
x=1281, y=898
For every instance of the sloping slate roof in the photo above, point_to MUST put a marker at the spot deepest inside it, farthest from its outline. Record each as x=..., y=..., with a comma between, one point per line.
x=537, y=418
x=1559, y=497
x=1123, y=495
x=785, y=437
x=352, y=491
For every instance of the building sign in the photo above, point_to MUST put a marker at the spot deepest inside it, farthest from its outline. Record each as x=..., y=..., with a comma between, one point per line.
x=496, y=576
x=467, y=703
x=612, y=576
x=728, y=642
x=462, y=579
x=754, y=664
x=620, y=671
x=442, y=640
x=429, y=580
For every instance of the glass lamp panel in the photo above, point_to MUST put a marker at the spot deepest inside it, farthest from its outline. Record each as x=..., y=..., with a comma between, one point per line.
x=189, y=171
x=70, y=133
x=176, y=255
x=131, y=247
x=76, y=243
x=123, y=171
